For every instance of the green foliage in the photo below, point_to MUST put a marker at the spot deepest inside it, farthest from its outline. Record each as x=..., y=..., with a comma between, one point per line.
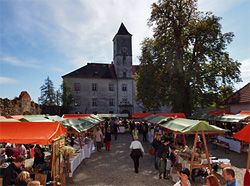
x=185, y=64
x=47, y=93
x=66, y=97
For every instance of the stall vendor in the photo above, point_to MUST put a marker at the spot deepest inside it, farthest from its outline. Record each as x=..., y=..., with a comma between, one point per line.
x=21, y=149
x=39, y=159
x=11, y=152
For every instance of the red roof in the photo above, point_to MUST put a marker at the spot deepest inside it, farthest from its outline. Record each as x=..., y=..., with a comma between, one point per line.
x=174, y=115
x=220, y=112
x=75, y=116
x=141, y=115
x=244, y=113
x=244, y=134
x=17, y=117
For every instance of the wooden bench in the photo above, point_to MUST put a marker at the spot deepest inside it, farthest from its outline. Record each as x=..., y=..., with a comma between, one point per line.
x=216, y=144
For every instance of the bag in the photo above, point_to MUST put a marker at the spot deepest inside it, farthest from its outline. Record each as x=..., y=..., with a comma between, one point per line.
x=135, y=152
x=104, y=140
x=152, y=151
x=161, y=166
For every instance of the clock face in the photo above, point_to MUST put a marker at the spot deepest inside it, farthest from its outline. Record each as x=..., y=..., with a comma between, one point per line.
x=124, y=50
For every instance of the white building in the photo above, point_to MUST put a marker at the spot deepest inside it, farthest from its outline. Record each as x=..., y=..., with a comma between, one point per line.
x=108, y=88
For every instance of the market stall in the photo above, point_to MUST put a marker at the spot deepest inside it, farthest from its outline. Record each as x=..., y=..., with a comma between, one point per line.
x=185, y=126
x=244, y=135
x=42, y=133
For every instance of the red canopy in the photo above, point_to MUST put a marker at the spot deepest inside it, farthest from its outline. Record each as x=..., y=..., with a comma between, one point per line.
x=75, y=116
x=17, y=117
x=244, y=134
x=141, y=115
x=244, y=113
x=220, y=112
x=174, y=115
x=41, y=133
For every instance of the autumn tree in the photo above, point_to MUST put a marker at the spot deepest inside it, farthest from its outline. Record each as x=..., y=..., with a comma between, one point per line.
x=185, y=64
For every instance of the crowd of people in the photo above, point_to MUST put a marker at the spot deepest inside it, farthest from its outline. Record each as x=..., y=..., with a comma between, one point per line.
x=164, y=150
x=15, y=173
x=164, y=153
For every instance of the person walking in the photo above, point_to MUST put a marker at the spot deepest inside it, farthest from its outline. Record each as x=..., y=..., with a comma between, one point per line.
x=163, y=154
x=137, y=151
x=145, y=131
x=156, y=144
x=98, y=139
x=135, y=133
x=108, y=139
x=116, y=128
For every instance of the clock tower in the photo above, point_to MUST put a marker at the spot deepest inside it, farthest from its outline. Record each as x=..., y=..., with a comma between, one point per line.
x=122, y=47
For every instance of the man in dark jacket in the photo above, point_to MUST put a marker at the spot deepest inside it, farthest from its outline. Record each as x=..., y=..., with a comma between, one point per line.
x=116, y=128
x=12, y=171
x=163, y=154
x=156, y=144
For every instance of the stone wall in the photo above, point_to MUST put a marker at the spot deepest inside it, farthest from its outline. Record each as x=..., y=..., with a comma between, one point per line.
x=19, y=106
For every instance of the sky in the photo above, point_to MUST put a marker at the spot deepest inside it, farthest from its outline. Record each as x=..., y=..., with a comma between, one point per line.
x=41, y=38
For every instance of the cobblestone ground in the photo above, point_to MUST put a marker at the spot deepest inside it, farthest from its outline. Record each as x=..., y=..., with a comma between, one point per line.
x=116, y=167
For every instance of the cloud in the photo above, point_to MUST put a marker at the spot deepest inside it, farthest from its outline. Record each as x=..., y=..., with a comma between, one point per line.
x=5, y=80
x=245, y=68
x=216, y=5
x=17, y=62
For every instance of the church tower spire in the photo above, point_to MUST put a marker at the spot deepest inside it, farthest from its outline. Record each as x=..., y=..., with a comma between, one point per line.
x=122, y=46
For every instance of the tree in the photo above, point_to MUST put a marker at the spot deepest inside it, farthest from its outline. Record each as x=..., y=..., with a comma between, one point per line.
x=47, y=93
x=66, y=97
x=185, y=63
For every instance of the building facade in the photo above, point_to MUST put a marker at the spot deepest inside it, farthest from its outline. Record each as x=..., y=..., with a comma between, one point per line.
x=108, y=88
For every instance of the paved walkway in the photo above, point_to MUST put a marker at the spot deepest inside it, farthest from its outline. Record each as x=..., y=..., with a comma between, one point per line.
x=116, y=167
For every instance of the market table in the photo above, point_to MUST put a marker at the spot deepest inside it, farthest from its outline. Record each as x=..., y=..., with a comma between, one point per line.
x=121, y=129
x=233, y=144
x=76, y=160
x=88, y=148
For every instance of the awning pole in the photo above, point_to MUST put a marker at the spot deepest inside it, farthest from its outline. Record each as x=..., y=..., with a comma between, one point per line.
x=205, y=145
x=248, y=159
x=192, y=159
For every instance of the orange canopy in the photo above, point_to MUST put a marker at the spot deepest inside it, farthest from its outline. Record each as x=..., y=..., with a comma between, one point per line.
x=41, y=133
x=75, y=116
x=2, y=117
x=174, y=115
x=244, y=134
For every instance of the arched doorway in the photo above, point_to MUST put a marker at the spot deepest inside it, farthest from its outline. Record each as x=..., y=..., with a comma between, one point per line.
x=126, y=112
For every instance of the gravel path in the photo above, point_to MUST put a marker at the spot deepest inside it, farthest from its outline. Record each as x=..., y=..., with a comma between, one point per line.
x=116, y=167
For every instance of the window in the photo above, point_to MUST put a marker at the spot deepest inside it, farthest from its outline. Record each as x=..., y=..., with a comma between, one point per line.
x=94, y=102
x=124, y=87
x=77, y=87
x=111, y=112
x=124, y=74
x=94, y=87
x=111, y=87
x=111, y=102
x=124, y=101
x=77, y=101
